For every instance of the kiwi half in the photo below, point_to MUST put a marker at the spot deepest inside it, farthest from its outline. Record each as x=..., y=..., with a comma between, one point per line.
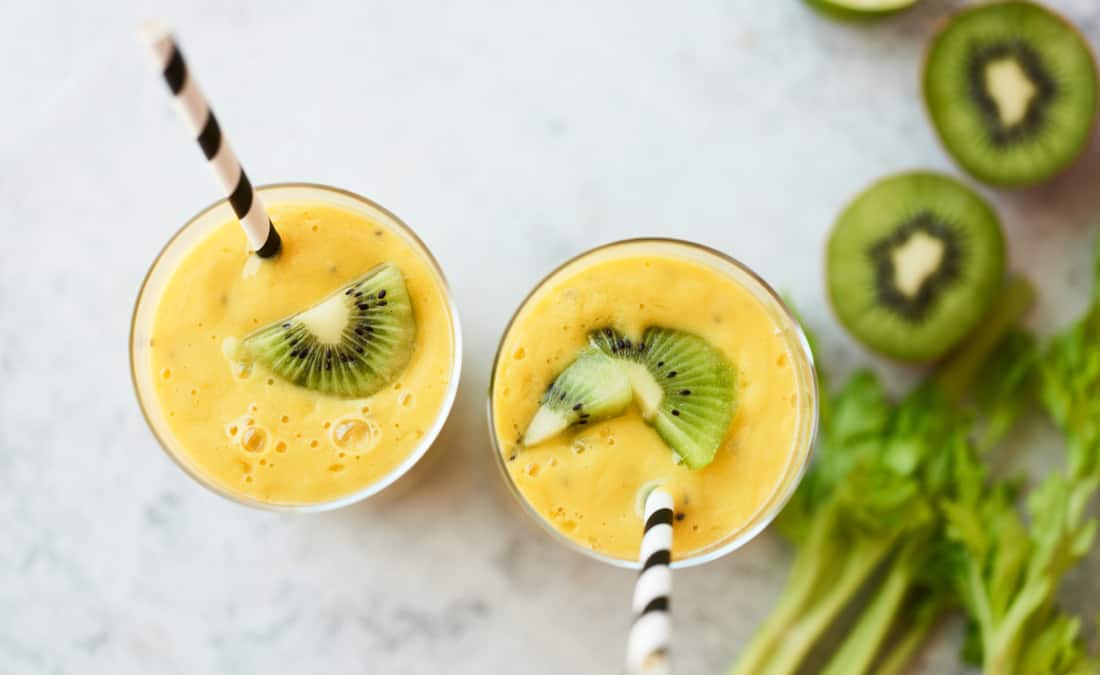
x=1011, y=89
x=352, y=343
x=913, y=263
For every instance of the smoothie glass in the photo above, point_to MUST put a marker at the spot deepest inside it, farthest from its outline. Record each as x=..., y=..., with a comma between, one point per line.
x=787, y=332
x=194, y=232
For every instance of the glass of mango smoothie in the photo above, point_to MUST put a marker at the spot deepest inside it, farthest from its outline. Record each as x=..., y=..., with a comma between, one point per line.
x=653, y=362
x=305, y=382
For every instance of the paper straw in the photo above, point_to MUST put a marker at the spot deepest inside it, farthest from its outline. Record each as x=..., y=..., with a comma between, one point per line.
x=196, y=113
x=648, y=646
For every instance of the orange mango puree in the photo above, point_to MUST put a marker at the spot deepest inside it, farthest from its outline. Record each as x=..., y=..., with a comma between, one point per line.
x=253, y=434
x=586, y=482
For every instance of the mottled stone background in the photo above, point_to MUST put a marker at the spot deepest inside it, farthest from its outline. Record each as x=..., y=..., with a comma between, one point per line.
x=510, y=135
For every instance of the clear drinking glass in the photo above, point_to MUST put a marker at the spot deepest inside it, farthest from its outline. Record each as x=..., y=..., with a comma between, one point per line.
x=802, y=363
x=194, y=231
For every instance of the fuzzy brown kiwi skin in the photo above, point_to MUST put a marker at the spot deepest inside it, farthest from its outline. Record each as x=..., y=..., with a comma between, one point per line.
x=941, y=26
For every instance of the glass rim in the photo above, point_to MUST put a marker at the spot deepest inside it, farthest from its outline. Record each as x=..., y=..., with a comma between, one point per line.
x=394, y=474
x=759, y=521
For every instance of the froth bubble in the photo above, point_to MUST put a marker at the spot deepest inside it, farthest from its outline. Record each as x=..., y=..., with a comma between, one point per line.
x=254, y=439
x=354, y=434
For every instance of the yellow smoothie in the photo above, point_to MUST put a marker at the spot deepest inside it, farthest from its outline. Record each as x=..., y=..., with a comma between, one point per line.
x=255, y=435
x=586, y=483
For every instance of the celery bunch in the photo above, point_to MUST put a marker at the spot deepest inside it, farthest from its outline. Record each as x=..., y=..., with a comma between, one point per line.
x=872, y=499
x=900, y=520
x=1011, y=570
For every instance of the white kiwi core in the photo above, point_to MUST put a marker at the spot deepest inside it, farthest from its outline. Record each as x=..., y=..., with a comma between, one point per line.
x=546, y=423
x=327, y=320
x=1010, y=88
x=647, y=392
x=916, y=259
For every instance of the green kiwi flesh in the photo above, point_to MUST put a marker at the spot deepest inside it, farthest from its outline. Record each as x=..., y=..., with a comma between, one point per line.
x=1011, y=89
x=861, y=8
x=350, y=344
x=594, y=387
x=913, y=263
x=685, y=388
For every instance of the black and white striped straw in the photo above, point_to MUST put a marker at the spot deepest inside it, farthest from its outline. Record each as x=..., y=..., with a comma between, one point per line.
x=647, y=650
x=196, y=113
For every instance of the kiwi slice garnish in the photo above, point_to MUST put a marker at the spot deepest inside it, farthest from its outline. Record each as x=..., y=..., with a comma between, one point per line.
x=592, y=388
x=352, y=343
x=1011, y=90
x=685, y=388
x=913, y=264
